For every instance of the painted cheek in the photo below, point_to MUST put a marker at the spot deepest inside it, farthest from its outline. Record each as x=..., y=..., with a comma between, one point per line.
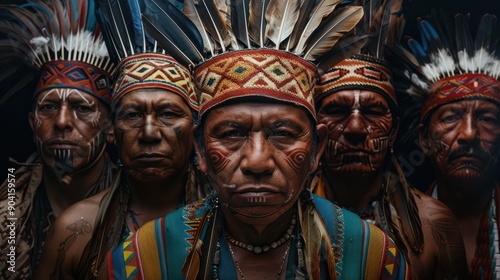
x=218, y=158
x=296, y=159
x=95, y=145
x=441, y=139
x=125, y=140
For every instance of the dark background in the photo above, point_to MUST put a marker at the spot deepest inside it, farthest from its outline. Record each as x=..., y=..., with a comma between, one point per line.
x=17, y=140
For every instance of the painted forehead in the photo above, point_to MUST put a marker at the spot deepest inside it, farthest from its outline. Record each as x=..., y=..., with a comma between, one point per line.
x=469, y=104
x=65, y=94
x=156, y=97
x=273, y=113
x=352, y=97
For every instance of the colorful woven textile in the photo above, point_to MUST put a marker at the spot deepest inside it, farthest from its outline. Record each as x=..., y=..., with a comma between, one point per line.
x=75, y=74
x=154, y=70
x=361, y=72
x=460, y=87
x=264, y=72
x=158, y=249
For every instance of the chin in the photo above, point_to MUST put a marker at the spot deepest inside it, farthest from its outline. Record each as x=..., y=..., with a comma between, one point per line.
x=467, y=174
x=150, y=175
x=354, y=169
x=260, y=215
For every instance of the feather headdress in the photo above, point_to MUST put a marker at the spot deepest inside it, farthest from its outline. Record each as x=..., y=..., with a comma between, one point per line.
x=382, y=25
x=142, y=63
x=291, y=39
x=448, y=65
x=61, y=40
x=262, y=48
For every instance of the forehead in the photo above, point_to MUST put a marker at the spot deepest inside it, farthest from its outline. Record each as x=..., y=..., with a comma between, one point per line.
x=350, y=96
x=472, y=105
x=261, y=112
x=65, y=94
x=144, y=97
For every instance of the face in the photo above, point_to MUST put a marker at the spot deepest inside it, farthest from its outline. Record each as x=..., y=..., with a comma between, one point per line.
x=153, y=134
x=462, y=140
x=257, y=156
x=360, y=130
x=70, y=128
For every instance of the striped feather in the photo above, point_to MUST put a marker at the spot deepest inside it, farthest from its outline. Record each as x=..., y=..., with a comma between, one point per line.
x=338, y=24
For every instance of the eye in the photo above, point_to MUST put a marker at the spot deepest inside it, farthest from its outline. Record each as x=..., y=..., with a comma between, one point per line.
x=168, y=115
x=336, y=111
x=232, y=134
x=282, y=133
x=374, y=111
x=450, y=118
x=82, y=108
x=130, y=116
x=488, y=119
x=48, y=107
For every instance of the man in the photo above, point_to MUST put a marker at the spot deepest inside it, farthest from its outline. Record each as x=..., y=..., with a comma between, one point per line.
x=154, y=105
x=153, y=124
x=357, y=102
x=262, y=222
x=460, y=132
x=70, y=123
x=359, y=171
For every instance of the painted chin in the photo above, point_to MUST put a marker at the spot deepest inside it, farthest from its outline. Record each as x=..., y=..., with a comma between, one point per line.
x=256, y=199
x=467, y=169
x=353, y=162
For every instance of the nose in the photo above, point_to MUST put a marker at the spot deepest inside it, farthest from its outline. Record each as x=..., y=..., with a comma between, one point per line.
x=64, y=118
x=355, y=130
x=257, y=160
x=150, y=132
x=467, y=131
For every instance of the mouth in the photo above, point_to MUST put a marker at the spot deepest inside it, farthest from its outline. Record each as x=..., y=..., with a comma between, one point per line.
x=359, y=158
x=252, y=195
x=61, y=145
x=469, y=158
x=150, y=157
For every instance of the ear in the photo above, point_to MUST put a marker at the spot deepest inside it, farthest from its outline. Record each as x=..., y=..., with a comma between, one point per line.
x=322, y=139
x=424, y=140
x=31, y=119
x=110, y=135
x=202, y=161
x=109, y=131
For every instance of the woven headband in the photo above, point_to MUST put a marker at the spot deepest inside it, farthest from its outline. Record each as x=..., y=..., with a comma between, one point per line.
x=75, y=74
x=461, y=87
x=264, y=72
x=154, y=70
x=359, y=72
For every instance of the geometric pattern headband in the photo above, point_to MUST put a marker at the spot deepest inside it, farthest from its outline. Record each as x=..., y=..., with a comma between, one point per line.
x=154, y=71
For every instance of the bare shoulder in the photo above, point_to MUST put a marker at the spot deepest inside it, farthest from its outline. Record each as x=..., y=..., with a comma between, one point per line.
x=84, y=210
x=432, y=208
x=69, y=235
x=443, y=256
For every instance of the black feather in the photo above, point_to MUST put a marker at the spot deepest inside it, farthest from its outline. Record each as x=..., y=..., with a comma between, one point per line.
x=173, y=19
x=213, y=22
x=116, y=17
x=239, y=20
x=257, y=21
x=179, y=47
x=345, y=48
x=305, y=12
x=464, y=37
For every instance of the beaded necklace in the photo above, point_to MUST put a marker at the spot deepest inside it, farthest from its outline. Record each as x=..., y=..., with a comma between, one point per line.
x=238, y=265
x=259, y=249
